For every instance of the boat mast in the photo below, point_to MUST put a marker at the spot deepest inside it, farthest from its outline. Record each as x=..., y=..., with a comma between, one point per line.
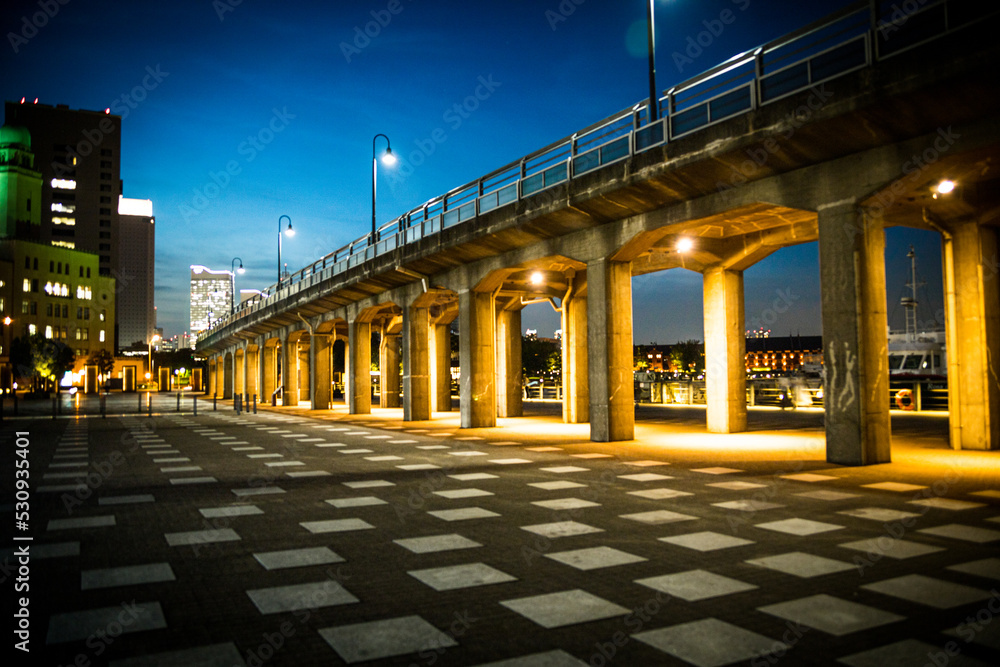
x=909, y=303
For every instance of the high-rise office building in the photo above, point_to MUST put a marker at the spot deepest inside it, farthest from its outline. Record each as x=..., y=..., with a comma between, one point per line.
x=211, y=297
x=135, y=283
x=78, y=153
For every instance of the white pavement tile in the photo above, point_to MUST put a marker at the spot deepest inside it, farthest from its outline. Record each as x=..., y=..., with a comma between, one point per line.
x=556, y=610
x=591, y=455
x=736, y=486
x=659, y=494
x=646, y=463
x=196, y=537
x=307, y=473
x=82, y=522
x=657, y=517
x=359, y=501
x=898, y=487
x=928, y=591
x=556, y=658
x=213, y=655
x=831, y=615
x=181, y=469
x=193, y=480
x=258, y=491
x=695, y=585
x=356, y=451
x=435, y=543
x=801, y=564
x=717, y=471
x=880, y=514
x=368, y=484
x=562, y=470
x=55, y=550
x=561, y=529
x=467, y=575
x=556, y=486
x=565, y=503
x=890, y=547
x=468, y=453
x=418, y=466
x=645, y=477
x=433, y=447
x=987, y=567
x=173, y=459
x=947, y=504
x=300, y=596
x=823, y=494
x=386, y=457
x=957, y=531
x=510, y=462
x=360, y=642
x=547, y=448
x=463, y=514
x=473, y=476
x=710, y=643
x=130, y=616
x=280, y=560
x=594, y=558
x=809, y=477
x=799, y=527
x=748, y=505
x=272, y=455
x=988, y=493
x=283, y=464
x=463, y=493
x=706, y=541
x=128, y=575
x=126, y=500
x=908, y=652
x=335, y=525
x=237, y=510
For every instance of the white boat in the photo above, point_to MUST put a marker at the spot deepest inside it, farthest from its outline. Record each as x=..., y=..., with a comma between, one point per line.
x=916, y=354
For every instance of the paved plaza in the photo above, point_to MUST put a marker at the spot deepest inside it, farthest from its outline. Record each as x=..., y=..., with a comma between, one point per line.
x=296, y=538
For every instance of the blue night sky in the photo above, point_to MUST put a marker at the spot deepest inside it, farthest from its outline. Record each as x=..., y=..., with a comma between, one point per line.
x=288, y=98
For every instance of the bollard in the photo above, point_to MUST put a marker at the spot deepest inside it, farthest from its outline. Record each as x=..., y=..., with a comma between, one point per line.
x=178, y=401
x=254, y=404
x=195, y=405
x=236, y=403
x=214, y=404
x=104, y=406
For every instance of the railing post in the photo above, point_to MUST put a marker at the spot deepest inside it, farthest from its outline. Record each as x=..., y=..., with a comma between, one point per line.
x=149, y=404
x=214, y=403
x=138, y=395
x=178, y=401
x=918, y=396
x=255, y=403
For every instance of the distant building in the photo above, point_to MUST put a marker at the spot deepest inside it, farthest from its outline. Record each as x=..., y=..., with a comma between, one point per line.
x=54, y=291
x=136, y=314
x=783, y=353
x=211, y=297
x=79, y=158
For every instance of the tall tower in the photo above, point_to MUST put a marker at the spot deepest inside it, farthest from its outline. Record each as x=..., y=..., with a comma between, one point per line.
x=211, y=297
x=20, y=184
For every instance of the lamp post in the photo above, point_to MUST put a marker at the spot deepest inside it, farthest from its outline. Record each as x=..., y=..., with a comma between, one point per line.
x=149, y=350
x=232, y=275
x=290, y=232
x=388, y=159
x=654, y=99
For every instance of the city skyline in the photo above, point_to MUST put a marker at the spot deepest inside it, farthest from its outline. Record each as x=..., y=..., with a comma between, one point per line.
x=275, y=117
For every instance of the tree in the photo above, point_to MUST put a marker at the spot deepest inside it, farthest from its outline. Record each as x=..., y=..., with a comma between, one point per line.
x=41, y=359
x=540, y=356
x=687, y=357
x=105, y=363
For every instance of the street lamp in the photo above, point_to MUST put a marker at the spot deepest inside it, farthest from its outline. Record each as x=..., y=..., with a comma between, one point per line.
x=290, y=232
x=388, y=159
x=149, y=350
x=232, y=274
x=654, y=99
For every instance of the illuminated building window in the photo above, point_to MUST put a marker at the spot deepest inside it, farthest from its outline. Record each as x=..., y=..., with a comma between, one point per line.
x=48, y=331
x=63, y=184
x=59, y=207
x=63, y=221
x=100, y=336
x=83, y=292
x=27, y=285
x=32, y=329
x=64, y=244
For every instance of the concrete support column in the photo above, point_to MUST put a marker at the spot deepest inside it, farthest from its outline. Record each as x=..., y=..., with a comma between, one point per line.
x=416, y=364
x=359, y=379
x=509, y=367
x=253, y=373
x=239, y=371
x=388, y=363
x=972, y=315
x=228, y=364
x=440, y=355
x=725, y=351
x=576, y=393
x=267, y=373
x=289, y=373
x=477, y=359
x=609, y=351
x=319, y=372
x=855, y=338
x=305, y=370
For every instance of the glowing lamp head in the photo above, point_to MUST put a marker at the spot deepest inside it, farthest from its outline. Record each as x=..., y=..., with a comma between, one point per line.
x=685, y=244
x=945, y=187
x=241, y=270
x=537, y=278
x=388, y=159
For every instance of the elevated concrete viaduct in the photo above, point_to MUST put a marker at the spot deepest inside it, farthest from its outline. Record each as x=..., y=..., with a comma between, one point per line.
x=857, y=142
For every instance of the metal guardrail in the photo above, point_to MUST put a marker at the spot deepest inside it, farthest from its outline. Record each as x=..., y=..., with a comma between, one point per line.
x=857, y=36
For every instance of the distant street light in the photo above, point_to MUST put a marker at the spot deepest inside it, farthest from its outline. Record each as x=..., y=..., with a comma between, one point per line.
x=152, y=341
x=232, y=275
x=654, y=98
x=290, y=232
x=388, y=159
